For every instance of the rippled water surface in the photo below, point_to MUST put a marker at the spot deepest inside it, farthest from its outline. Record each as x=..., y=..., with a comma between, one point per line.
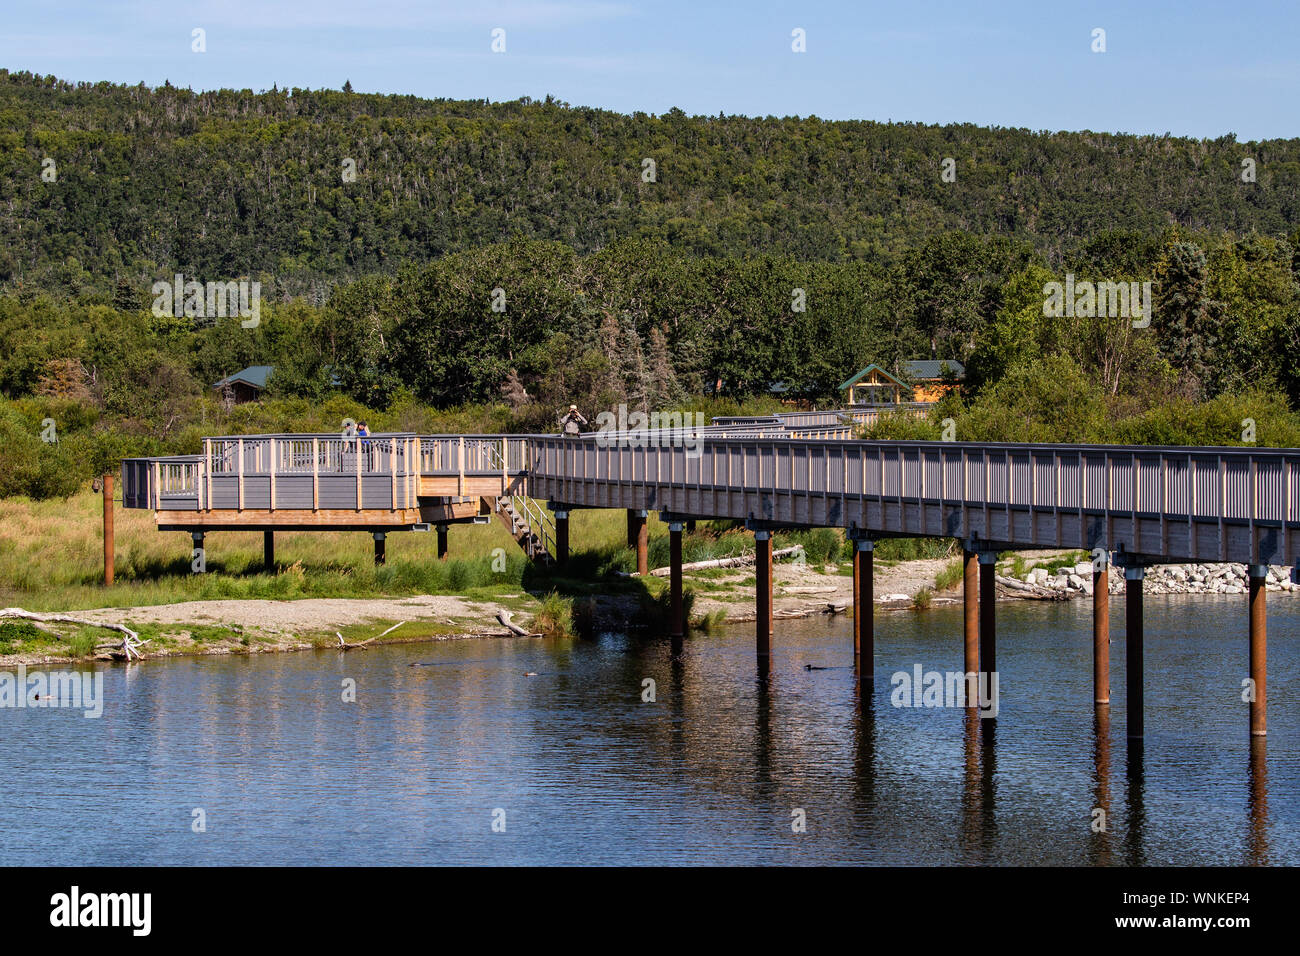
x=713, y=771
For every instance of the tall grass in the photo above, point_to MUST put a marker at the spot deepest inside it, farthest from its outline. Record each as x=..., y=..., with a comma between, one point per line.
x=554, y=618
x=950, y=576
x=51, y=558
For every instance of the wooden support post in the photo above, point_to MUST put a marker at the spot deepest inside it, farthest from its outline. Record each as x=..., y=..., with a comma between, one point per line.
x=380, y=538
x=1133, y=639
x=631, y=528
x=971, y=620
x=315, y=474
x=988, y=618
x=676, y=625
x=108, y=530
x=442, y=542
x=392, y=474
x=1101, y=632
x=642, y=529
x=1258, y=574
x=268, y=550
x=763, y=592
x=271, y=467
x=561, y=537
x=199, y=555
x=460, y=467
x=690, y=525
x=864, y=607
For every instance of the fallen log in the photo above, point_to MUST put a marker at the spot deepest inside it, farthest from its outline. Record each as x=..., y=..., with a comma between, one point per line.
x=130, y=645
x=1030, y=590
x=505, y=616
x=735, y=561
x=807, y=590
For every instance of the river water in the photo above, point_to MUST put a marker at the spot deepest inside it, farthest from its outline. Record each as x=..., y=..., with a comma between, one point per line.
x=467, y=760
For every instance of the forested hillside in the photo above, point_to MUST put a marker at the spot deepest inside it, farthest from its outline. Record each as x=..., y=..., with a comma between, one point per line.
x=490, y=263
x=229, y=183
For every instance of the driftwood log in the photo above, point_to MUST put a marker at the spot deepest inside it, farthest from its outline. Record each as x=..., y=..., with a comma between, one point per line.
x=130, y=645
x=345, y=646
x=736, y=561
x=505, y=616
x=1030, y=590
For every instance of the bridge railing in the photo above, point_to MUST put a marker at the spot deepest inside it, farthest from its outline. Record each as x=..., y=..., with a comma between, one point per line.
x=1236, y=485
x=856, y=414
x=473, y=454
x=287, y=471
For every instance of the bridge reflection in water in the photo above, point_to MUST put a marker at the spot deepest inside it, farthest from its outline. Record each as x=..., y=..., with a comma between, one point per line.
x=710, y=772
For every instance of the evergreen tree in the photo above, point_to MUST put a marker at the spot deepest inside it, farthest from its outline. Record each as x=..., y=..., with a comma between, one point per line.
x=1186, y=318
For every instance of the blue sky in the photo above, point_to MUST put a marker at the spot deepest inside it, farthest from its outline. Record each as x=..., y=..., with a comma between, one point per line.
x=1193, y=67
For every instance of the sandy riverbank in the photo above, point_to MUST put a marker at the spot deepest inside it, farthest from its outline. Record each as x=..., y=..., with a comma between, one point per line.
x=263, y=626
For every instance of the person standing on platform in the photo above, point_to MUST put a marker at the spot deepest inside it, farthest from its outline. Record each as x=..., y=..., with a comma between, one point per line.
x=572, y=422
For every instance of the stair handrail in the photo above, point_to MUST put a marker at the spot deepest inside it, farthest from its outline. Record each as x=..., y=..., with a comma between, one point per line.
x=538, y=521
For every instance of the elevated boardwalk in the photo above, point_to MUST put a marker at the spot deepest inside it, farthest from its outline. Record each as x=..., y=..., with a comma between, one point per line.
x=1131, y=505
x=1158, y=503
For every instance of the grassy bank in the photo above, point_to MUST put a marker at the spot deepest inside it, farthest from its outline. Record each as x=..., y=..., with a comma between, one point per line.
x=51, y=559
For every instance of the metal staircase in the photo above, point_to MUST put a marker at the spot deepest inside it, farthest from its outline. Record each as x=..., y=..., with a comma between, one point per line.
x=532, y=526
x=528, y=524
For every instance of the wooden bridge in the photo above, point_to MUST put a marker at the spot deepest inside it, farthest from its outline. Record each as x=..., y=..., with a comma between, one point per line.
x=1133, y=505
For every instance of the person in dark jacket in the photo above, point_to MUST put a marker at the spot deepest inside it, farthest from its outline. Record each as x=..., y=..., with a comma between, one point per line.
x=572, y=422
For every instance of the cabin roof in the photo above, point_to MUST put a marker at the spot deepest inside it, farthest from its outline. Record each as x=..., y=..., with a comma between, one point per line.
x=254, y=375
x=929, y=369
x=867, y=371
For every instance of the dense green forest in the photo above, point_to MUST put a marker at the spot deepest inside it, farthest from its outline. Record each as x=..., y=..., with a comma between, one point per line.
x=490, y=263
x=232, y=182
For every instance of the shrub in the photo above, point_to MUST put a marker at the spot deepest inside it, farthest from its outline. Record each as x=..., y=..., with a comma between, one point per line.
x=555, y=616
x=951, y=574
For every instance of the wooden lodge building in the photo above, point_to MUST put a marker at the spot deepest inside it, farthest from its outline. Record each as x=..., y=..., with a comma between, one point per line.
x=925, y=381
x=244, y=386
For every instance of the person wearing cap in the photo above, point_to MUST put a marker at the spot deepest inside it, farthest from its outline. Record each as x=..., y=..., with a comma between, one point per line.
x=572, y=421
